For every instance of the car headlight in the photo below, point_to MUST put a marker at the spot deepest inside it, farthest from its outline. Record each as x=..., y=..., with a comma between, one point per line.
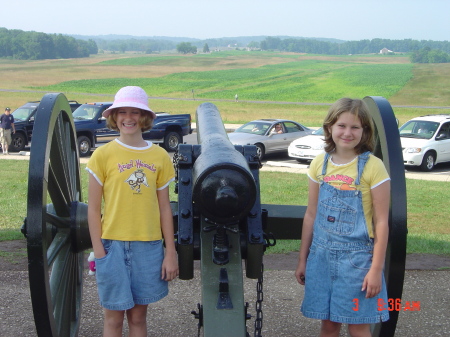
x=413, y=150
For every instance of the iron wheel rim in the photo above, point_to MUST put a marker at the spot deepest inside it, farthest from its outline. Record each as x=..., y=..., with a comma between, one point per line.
x=55, y=266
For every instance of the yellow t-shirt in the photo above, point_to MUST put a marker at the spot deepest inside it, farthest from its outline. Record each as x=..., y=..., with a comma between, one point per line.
x=130, y=177
x=343, y=177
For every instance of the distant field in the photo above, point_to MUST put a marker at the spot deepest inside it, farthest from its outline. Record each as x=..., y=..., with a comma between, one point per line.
x=298, y=81
x=180, y=83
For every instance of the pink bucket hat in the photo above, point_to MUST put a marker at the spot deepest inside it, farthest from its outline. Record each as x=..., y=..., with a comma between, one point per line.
x=130, y=96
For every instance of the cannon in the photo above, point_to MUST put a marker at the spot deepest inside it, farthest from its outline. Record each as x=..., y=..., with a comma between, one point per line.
x=219, y=218
x=220, y=221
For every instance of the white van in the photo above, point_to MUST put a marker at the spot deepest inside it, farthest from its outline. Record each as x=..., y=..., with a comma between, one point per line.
x=426, y=141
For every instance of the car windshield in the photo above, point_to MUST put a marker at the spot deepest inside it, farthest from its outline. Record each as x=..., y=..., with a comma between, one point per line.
x=23, y=112
x=256, y=128
x=418, y=129
x=86, y=111
x=318, y=132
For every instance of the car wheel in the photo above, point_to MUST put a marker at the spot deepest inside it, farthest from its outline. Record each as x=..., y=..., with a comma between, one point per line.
x=303, y=161
x=84, y=146
x=427, y=162
x=17, y=142
x=171, y=141
x=260, y=151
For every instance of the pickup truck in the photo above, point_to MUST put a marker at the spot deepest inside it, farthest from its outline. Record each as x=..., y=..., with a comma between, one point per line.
x=168, y=130
x=24, y=122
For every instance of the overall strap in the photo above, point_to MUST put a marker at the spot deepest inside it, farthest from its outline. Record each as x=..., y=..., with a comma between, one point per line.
x=362, y=160
x=325, y=162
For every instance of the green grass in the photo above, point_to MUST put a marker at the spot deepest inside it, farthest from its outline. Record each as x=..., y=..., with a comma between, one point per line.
x=293, y=79
x=428, y=224
x=298, y=81
x=256, y=76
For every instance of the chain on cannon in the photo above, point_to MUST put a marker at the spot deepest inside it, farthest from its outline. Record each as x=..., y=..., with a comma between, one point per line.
x=220, y=223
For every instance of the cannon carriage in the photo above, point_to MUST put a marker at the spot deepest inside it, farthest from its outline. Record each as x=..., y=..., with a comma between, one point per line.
x=219, y=218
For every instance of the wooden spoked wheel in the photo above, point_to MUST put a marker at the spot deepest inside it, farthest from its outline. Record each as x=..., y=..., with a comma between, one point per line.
x=56, y=224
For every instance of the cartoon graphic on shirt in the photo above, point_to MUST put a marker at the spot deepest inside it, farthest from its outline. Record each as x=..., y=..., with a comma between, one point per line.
x=340, y=182
x=136, y=179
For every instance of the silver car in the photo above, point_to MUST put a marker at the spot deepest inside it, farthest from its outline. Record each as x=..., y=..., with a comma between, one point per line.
x=269, y=135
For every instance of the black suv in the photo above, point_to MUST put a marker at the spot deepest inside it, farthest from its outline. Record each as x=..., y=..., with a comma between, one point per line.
x=24, y=122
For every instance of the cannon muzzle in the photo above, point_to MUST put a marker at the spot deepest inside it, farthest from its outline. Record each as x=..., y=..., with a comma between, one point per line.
x=223, y=186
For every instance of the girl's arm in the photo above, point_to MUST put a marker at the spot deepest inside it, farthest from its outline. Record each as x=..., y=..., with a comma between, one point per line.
x=170, y=263
x=95, y=193
x=380, y=200
x=307, y=231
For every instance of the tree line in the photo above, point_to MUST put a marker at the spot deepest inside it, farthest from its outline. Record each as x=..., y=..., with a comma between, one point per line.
x=312, y=46
x=147, y=46
x=21, y=45
x=18, y=44
x=428, y=55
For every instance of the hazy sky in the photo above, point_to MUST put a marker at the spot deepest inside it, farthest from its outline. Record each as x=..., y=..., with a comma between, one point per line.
x=340, y=19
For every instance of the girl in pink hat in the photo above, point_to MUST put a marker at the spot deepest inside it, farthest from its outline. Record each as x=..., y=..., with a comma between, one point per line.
x=132, y=176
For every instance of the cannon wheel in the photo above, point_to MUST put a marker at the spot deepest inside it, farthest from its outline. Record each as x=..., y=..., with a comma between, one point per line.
x=388, y=149
x=56, y=232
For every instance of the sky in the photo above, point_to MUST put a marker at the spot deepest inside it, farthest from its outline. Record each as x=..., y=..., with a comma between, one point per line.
x=340, y=19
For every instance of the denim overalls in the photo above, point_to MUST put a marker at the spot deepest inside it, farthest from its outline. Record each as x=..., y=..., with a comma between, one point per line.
x=340, y=257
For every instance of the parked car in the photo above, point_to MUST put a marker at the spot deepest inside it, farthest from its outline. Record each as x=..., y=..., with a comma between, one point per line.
x=426, y=141
x=24, y=122
x=306, y=148
x=263, y=134
x=168, y=130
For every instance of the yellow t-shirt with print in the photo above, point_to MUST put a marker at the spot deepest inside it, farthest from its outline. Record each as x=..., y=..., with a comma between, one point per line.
x=130, y=177
x=343, y=177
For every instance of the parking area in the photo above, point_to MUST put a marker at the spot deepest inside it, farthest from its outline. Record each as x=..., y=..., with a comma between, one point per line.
x=282, y=162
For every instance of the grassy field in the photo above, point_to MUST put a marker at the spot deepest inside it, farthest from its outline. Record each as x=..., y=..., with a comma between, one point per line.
x=263, y=81
x=428, y=224
x=269, y=85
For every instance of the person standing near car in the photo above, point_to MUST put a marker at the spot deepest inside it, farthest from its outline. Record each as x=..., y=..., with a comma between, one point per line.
x=6, y=124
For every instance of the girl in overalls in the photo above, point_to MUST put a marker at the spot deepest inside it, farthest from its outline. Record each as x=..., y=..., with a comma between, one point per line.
x=345, y=228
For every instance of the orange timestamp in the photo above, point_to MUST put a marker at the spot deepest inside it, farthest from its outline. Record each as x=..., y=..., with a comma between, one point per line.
x=393, y=304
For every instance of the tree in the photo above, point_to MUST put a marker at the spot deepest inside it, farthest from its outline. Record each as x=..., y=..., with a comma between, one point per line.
x=206, y=48
x=253, y=45
x=186, y=47
x=428, y=55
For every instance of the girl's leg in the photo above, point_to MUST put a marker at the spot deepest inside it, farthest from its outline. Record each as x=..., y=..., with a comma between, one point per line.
x=137, y=320
x=359, y=330
x=330, y=329
x=113, y=324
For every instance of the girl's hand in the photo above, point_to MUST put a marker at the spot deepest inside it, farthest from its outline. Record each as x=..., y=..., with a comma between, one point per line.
x=300, y=273
x=372, y=283
x=98, y=254
x=169, y=267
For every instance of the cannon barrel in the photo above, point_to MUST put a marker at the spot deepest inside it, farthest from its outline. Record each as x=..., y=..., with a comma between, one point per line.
x=223, y=186
x=219, y=221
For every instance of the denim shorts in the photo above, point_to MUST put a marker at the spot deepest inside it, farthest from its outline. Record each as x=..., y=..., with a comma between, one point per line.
x=130, y=274
x=334, y=290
